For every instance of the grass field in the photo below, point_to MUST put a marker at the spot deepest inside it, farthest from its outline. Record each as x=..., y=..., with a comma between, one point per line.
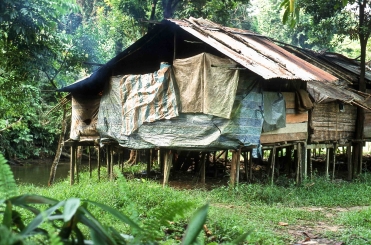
x=319, y=210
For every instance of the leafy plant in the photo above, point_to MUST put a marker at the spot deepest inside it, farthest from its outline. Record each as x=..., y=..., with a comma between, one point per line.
x=72, y=221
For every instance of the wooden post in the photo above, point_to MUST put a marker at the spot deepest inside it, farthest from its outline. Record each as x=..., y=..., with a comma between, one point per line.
x=108, y=160
x=111, y=164
x=90, y=169
x=161, y=160
x=215, y=166
x=349, y=161
x=226, y=158
x=238, y=163
x=72, y=165
x=309, y=154
x=119, y=156
x=246, y=165
x=250, y=165
x=203, y=168
x=305, y=160
x=149, y=162
x=334, y=161
x=168, y=161
x=78, y=152
x=273, y=162
x=360, y=157
x=98, y=162
x=327, y=161
x=233, y=170
x=298, y=164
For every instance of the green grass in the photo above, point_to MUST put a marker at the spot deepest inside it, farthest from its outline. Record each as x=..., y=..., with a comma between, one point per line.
x=250, y=207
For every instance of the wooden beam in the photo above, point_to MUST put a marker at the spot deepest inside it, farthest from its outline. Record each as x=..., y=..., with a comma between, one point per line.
x=317, y=146
x=292, y=128
x=284, y=137
x=79, y=143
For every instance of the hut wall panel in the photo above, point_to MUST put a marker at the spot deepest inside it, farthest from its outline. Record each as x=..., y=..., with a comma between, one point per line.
x=329, y=124
x=296, y=124
x=367, y=128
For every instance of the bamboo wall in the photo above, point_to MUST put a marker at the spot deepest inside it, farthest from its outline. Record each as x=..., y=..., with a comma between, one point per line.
x=327, y=123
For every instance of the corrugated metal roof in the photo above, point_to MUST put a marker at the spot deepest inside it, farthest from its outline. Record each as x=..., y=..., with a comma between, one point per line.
x=255, y=52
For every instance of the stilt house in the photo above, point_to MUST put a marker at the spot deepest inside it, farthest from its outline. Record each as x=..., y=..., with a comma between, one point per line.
x=198, y=86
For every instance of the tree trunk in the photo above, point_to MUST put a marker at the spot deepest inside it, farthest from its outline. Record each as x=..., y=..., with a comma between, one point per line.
x=58, y=153
x=363, y=33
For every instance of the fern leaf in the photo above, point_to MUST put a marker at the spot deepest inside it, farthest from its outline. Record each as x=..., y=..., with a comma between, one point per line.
x=8, y=187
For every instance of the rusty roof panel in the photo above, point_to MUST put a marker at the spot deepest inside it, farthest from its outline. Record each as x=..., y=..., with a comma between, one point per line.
x=255, y=52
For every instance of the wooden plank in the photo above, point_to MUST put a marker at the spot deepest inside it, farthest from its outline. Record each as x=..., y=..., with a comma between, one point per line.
x=289, y=99
x=296, y=118
x=273, y=138
x=319, y=136
x=293, y=128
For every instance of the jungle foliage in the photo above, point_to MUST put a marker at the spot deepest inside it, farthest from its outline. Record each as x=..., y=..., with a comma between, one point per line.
x=45, y=45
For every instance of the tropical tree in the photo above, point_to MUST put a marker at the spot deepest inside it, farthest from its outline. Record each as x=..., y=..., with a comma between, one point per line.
x=37, y=53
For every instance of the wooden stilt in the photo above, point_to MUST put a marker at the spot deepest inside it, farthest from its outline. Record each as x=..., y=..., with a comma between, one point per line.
x=233, y=170
x=111, y=164
x=215, y=166
x=203, y=168
x=161, y=159
x=238, y=163
x=298, y=164
x=309, y=154
x=119, y=156
x=122, y=159
x=78, y=152
x=273, y=162
x=149, y=163
x=108, y=160
x=334, y=161
x=98, y=162
x=72, y=165
x=250, y=165
x=90, y=168
x=246, y=164
x=349, y=161
x=226, y=158
x=168, y=160
x=305, y=161
x=327, y=162
x=360, y=159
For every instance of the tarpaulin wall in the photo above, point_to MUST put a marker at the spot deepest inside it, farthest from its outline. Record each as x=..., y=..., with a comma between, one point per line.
x=130, y=114
x=84, y=117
